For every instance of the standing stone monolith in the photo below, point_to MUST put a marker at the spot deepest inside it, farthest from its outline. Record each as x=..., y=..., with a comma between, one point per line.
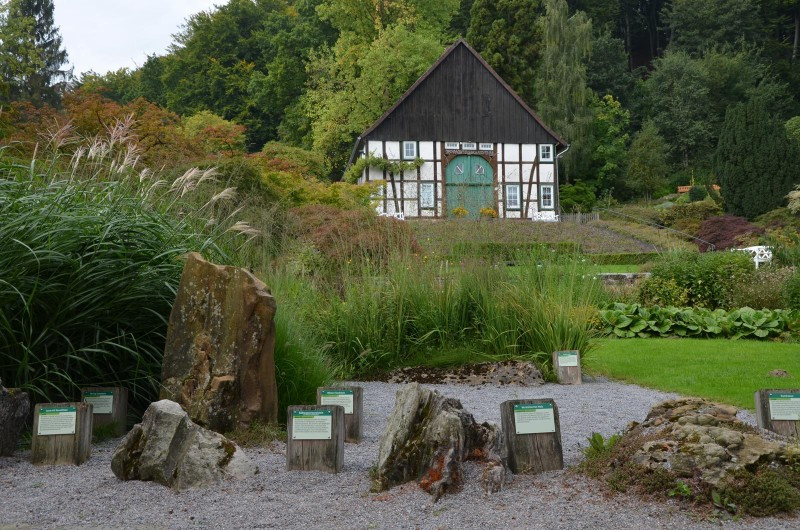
x=219, y=360
x=14, y=409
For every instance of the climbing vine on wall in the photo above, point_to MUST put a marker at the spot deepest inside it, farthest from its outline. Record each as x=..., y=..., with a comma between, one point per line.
x=355, y=171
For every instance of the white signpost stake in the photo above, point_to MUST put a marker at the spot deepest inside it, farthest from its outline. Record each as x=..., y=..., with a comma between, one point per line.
x=316, y=438
x=567, y=366
x=532, y=434
x=62, y=433
x=110, y=406
x=352, y=399
x=779, y=411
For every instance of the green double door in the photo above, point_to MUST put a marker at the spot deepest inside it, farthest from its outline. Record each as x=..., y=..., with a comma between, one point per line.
x=469, y=181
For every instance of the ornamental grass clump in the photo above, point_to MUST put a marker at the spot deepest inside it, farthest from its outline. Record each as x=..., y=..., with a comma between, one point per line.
x=89, y=265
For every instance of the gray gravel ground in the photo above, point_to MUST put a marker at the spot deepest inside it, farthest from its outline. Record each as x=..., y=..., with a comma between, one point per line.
x=90, y=496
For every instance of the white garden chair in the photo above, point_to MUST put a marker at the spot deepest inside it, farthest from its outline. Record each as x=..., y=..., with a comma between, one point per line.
x=760, y=253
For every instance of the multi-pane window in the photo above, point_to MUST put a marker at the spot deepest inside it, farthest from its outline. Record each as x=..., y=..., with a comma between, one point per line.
x=512, y=197
x=546, y=153
x=546, y=197
x=480, y=170
x=469, y=146
x=409, y=150
x=459, y=169
x=486, y=147
x=426, y=195
x=451, y=145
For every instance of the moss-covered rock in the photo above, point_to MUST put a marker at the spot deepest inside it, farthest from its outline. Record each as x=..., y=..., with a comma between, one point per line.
x=702, y=450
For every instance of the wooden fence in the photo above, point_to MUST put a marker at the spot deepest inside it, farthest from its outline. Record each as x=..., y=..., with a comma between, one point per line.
x=580, y=218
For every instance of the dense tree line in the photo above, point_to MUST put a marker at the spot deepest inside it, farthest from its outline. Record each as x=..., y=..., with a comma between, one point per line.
x=640, y=88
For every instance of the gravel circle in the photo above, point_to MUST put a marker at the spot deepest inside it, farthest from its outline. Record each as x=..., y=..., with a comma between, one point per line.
x=89, y=496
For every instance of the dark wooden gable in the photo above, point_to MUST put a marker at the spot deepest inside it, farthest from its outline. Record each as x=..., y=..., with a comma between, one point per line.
x=461, y=98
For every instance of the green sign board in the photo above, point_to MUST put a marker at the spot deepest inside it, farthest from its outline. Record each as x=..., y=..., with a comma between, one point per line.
x=57, y=420
x=784, y=407
x=534, y=418
x=102, y=401
x=338, y=397
x=568, y=358
x=312, y=424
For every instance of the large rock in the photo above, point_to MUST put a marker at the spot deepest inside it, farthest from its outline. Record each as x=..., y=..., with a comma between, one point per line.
x=427, y=439
x=14, y=409
x=168, y=448
x=697, y=438
x=219, y=358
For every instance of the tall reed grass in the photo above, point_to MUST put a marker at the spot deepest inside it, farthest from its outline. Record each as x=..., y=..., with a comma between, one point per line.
x=382, y=318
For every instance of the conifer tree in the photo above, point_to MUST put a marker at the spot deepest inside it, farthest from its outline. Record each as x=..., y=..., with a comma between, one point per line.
x=755, y=161
x=31, y=55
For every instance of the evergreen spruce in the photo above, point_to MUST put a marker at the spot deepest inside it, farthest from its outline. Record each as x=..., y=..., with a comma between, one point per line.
x=32, y=55
x=755, y=161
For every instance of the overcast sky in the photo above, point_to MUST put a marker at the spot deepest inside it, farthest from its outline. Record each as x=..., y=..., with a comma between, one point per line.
x=103, y=35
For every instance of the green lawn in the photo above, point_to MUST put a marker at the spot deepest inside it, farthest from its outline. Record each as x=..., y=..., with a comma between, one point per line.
x=721, y=370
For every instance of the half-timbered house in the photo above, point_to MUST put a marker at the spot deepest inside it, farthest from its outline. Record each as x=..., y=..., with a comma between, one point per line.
x=474, y=143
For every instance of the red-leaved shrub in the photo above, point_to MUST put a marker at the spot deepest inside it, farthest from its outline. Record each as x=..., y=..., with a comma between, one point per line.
x=726, y=231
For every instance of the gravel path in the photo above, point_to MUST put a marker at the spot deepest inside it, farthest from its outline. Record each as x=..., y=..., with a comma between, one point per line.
x=90, y=496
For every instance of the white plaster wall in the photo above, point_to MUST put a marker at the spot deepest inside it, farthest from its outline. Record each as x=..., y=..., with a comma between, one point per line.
x=526, y=173
x=410, y=190
x=375, y=173
x=528, y=152
x=411, y=208
x=547, y=173
x=512, y=214
x=426, y=171
x=511, y=172
x=427, y=213
x=393, y=150
x=375, y=148
x=426, y=150
x=511, y=152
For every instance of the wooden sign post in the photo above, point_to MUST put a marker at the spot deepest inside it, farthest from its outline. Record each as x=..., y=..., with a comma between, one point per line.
x=567, y=366
x=62, y=433
x=532, y=434
x=110, y=407
x=316, y=438
x=352, y=399
x=779, y=411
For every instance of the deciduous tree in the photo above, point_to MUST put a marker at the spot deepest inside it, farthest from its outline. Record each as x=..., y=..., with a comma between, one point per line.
x=647, y=161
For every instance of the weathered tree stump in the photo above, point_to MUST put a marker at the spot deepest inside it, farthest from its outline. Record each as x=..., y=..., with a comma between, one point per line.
x=567, y=366
x=14, y=408
x=316, y=438
x=352, y=399
x=532, y=434
x=62, y=433
x=779, y=411
x=110, y=405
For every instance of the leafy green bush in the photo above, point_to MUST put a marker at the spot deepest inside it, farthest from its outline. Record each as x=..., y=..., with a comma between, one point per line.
x=768, y=288
x=697, y=193
x=664, y=292
x=698, y=211
x=793, y=291
x=708, y=278
x=628, y=321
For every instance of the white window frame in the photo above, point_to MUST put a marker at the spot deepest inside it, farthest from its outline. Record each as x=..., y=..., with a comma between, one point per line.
x=405, y=154
x=549, y=148
x=452, y=145
x=544, y=205
x=469, y=146
x=486, y=147
x=427, y=195
x=518, y=204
